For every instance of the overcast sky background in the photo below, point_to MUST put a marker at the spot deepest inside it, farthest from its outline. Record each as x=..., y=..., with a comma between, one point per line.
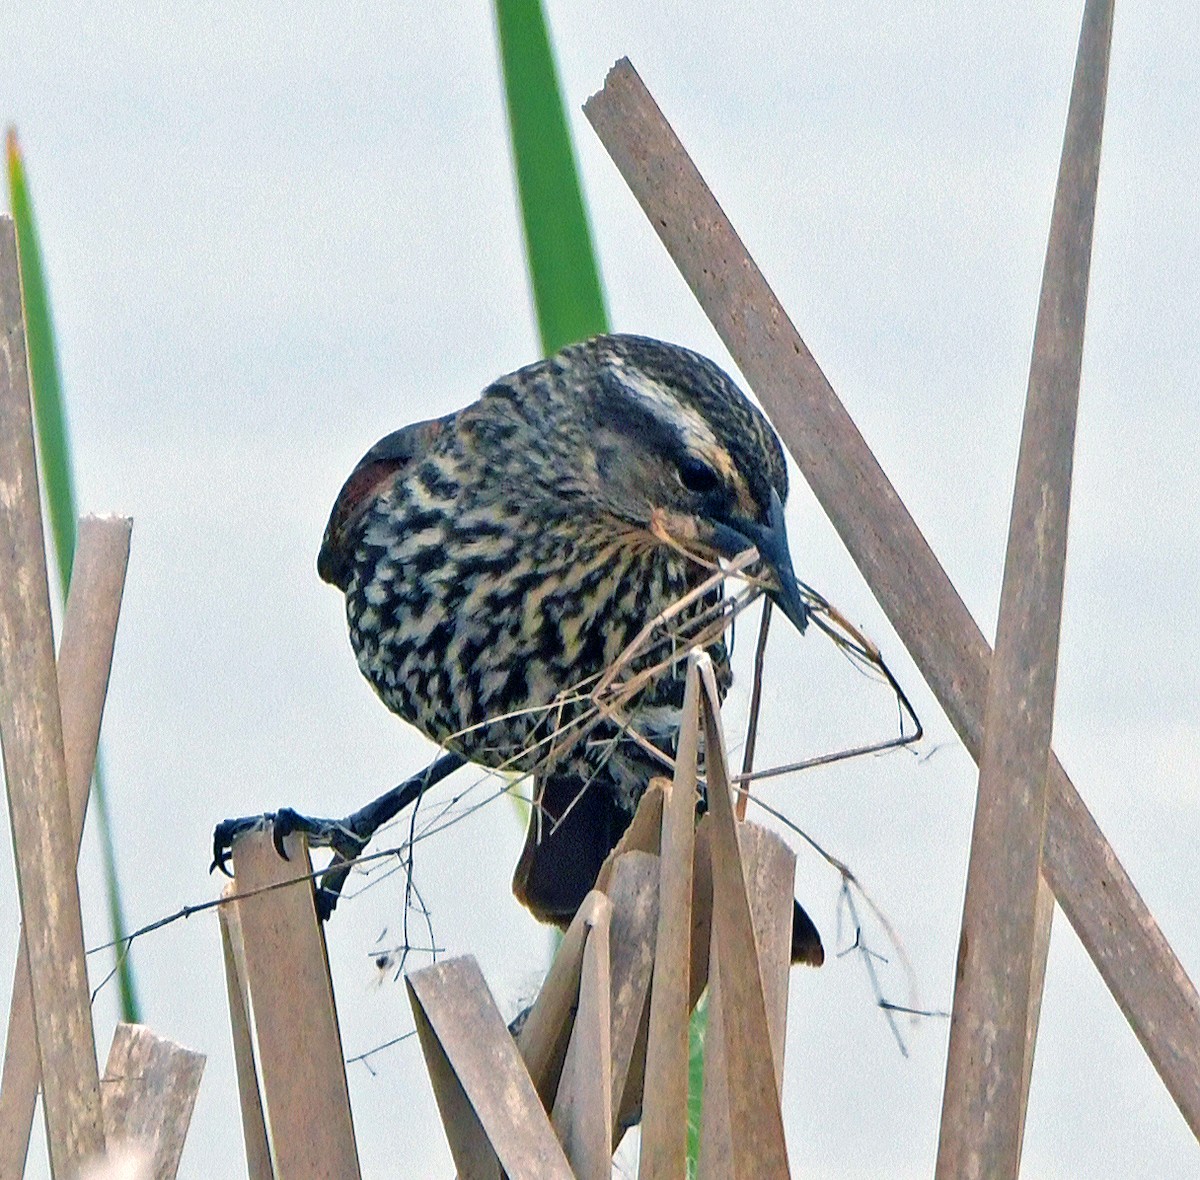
x=276, y=231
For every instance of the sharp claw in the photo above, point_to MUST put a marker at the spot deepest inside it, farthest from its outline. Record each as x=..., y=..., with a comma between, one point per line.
x=224, y=835
x=281, y=828
x=340, y=835
x=220, y=854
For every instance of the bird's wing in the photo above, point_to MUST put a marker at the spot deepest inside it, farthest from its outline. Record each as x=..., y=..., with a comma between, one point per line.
x=390, y=458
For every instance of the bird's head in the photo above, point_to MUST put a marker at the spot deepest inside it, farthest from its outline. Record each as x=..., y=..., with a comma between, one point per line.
x=672, y=440
x=651, y=433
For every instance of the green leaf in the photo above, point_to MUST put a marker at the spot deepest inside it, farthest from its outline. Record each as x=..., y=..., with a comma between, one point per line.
x=54, y=458
x=567, y=293
x=697, y=1028
x=57, y=482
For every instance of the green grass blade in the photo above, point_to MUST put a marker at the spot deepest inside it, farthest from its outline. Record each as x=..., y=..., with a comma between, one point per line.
x=697, y=1028
x=59, y=489
x=131, y=1011
x=567, y=294
x=58, y=484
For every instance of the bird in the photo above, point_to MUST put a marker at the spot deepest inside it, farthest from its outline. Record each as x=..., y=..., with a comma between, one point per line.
x=497, y=561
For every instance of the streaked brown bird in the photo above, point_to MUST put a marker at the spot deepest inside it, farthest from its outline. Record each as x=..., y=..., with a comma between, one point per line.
x=495, y=562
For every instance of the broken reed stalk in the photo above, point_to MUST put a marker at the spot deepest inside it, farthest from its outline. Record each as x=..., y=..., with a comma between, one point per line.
x=991, y=1033
x=85, y=659
x=296, y=1030
x=35, y=766
x=664, y=1121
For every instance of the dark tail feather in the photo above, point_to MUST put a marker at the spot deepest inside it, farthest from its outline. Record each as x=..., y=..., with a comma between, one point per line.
x=806, y=939
x=555, y=873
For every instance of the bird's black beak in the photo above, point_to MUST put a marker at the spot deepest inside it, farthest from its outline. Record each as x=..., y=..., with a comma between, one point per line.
x=734, y=534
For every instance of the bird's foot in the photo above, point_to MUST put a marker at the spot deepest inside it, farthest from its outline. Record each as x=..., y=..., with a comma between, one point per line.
x=346, y=837
x=227, y=831
x=337, y=834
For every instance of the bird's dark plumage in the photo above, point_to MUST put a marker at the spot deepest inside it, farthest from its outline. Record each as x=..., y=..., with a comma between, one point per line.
x=498, y=558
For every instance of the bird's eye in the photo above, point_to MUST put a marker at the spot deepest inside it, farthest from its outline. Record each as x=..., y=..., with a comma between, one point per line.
x=697, y=476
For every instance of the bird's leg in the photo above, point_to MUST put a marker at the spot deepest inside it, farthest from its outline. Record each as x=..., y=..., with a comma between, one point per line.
x=347, y=837
x=359, y=826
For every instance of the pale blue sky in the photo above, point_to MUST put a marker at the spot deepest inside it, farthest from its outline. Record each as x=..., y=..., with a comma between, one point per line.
x=275, y=232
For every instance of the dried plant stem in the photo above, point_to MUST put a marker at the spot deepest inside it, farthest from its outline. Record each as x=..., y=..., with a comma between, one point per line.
x=760, y=652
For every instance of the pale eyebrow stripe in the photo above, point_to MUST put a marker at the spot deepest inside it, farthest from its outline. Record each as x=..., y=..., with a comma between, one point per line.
x=667, y=408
